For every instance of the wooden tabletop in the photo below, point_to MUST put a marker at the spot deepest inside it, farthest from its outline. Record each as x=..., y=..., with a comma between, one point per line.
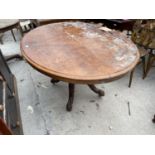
x=4, y=23
x=78, y=52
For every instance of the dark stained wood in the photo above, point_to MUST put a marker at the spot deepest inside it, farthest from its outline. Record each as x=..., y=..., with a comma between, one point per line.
x=13, y=111
x=96, y=90
x=9, y=104
x=71, y=88
x=54, y=81
x=19, y=126
x=5, y=72
x=153, y=120
x=78, y=52
x=119, y=24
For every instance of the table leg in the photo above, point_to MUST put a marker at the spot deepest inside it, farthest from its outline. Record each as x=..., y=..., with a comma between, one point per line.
x=13, y=35
x=54, y=81
x=71, y=97
x=153, y=120
x=96, y=90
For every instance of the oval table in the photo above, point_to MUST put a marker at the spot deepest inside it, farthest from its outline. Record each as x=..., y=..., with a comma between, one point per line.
x=79, y=53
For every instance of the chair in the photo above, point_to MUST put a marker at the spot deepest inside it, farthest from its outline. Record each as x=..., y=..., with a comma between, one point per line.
x=143, y=53
x=27, y=25
x=144, y=35
x=140, y=36
x=9, y=104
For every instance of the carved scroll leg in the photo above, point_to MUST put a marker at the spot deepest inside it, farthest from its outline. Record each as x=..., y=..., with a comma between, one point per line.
x=71, y=97
x=153, y=120
x=96, y=90
x=54, y=81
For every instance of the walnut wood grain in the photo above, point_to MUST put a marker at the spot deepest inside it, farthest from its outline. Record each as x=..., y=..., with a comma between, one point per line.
x=78, y=52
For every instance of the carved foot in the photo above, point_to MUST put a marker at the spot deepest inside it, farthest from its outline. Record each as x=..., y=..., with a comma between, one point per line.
x=153, y=120
x=71, y=97
x=54, y=81
x=96, y=90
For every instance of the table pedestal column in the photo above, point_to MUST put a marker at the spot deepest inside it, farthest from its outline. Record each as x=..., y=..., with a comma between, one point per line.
x=71, y=96
x=71, y=88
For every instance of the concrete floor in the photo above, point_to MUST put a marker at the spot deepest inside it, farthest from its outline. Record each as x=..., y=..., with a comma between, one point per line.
x=43, y=104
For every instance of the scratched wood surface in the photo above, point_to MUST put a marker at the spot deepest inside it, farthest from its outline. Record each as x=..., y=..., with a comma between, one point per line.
x=79, y=52
x=4, y=23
